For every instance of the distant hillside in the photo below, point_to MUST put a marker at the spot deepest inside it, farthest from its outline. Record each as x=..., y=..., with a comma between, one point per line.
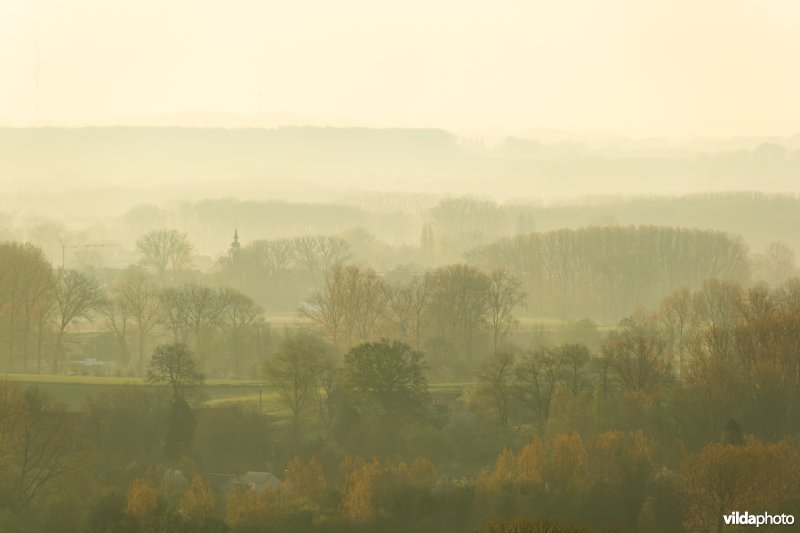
x=80, y=172
x=131, y=155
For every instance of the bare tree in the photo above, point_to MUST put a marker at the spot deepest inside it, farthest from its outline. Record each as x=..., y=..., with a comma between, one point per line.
x=329, y=392
x=295, y=373
x=366, y=302
x=332, y=251
x=459, y=303
x=165, y=249
x=319, y=253
x=191, y=311
x=419, y=296
x=77, y=295
x=43, y=312
x=274, y=256
x=495, y=389
x=36, y=442
x=505, y=294
x=172, y=315
x=327, y=307
x=536, y=376
x=574, y=358
x=141, y=300
x=780, y=262
x=679, y=319
x=464, y=223
x=26, y=284
x=173, y=365
x=37, y=307
x=237, y=320
x=117, y=315
x=637, y=354
x=406, y=305
x=306, y=253
x=203, y=307
x=399, y=312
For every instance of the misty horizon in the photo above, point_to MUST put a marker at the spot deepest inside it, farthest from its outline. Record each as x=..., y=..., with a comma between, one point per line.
x=432, y=266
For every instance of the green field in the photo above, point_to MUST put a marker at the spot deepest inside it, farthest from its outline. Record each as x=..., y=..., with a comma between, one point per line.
x=73, y=391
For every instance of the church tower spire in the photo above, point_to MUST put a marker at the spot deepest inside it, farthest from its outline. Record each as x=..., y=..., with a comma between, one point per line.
x=235, y=246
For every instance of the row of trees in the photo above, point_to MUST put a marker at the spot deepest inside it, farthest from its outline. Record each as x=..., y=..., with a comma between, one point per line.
x=278, y=273
x=615, y=479
x=383, y=380
x=450, y=310
x=36, y=445
x=314, y=254
x=731, y=351
x=40, y=305
x=597, y=271
x=42, y=446
x=37, y=303
x=684, y=415
x=305, y=499
x=706, y=356
x=606, y=271
x=450, y=307
x=224, y=327
x=459, y=224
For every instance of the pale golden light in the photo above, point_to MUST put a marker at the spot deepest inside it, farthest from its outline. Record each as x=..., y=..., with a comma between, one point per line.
x=678, y=68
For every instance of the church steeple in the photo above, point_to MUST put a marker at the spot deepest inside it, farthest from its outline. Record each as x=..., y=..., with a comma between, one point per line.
x=235, y=246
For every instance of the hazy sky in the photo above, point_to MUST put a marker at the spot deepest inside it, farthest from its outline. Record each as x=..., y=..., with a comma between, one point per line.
x=635, y=67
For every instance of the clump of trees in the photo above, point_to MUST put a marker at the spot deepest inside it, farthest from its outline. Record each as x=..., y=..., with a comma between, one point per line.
x=277, y=272
x=299, y=372
x=38, y=305
x=37, y=440
x=606, y=271
x=389, y=376
x=27, y=304
x=723, y=477
x=174, y=366
x=451, y=309
x=41, y=307
x=165, y=250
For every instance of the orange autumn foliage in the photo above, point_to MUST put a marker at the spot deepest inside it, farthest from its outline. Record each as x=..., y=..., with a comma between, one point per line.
x=722, y=478
x=142, y=502
x=369, y=485
x=197, y=503
x=303, y=481
x=247, y=507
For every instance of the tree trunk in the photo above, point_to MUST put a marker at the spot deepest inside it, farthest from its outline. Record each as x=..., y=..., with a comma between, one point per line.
x=141, y=350
x=57, y=351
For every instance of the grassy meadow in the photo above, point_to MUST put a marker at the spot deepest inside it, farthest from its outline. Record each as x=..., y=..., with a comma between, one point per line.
x=73, y=391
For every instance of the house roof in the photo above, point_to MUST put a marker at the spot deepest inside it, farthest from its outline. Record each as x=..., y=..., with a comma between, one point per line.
x=259, y=480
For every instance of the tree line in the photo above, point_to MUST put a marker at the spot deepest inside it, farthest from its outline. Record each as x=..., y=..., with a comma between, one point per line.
x=451, y=312
x=606, y=271
x=635, y=435
x=40, y=305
